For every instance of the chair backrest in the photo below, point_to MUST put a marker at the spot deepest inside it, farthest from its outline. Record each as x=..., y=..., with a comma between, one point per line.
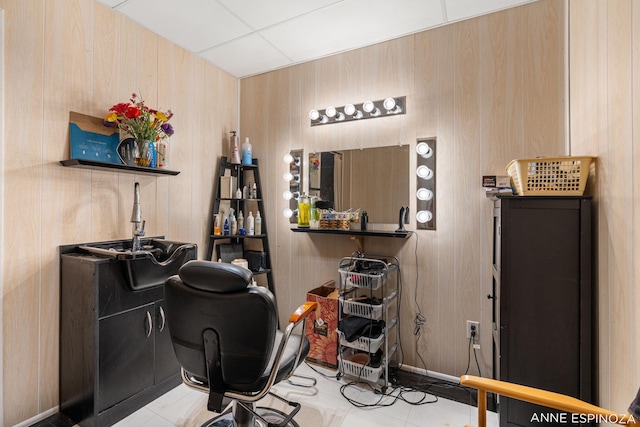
x=215, y=296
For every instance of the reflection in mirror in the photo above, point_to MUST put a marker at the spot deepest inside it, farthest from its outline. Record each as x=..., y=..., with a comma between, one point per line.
x=375, y=180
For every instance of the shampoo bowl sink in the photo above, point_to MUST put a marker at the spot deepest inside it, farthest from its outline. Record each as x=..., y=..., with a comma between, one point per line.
x=158, y=260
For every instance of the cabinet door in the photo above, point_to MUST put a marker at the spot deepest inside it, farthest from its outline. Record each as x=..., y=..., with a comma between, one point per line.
x=125, y=355
x=166, y=363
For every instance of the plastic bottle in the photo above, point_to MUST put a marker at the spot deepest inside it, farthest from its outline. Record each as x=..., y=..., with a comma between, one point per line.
x=304, y=211
x=152, y=150
x=254, y=191
x=234, y=148
x=240, y=221
x=234, y=225
x=238, y=193
x=258, y=223
x=216, y=225
x=250, y=225
x=247, y=154
x=226, y=227
x=162, y=154
x=245, y=192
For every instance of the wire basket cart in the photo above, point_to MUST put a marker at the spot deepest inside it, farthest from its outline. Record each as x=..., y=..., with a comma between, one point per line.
x=368, y=317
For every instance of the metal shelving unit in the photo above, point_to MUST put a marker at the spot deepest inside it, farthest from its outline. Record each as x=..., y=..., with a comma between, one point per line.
x=369, y=289
x=244, y=173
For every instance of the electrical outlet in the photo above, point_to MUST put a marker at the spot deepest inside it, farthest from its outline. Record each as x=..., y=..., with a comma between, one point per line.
x=473, y=326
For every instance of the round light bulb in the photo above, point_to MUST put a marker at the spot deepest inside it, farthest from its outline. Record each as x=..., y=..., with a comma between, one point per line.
x=368, y=106
x=288, y=176
x=314, y=115
x=424, y=216
x=424, y=172
x=389, y=104
x=349, y=109
x=288, y=158
x=288, y=213
x=287, y=195
x=330, y=111
x=424, y=150
x=424, y=194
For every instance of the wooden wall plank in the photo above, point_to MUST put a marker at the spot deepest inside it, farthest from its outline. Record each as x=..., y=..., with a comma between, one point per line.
x=476, y=109
x=24, y=128
x=80, y=56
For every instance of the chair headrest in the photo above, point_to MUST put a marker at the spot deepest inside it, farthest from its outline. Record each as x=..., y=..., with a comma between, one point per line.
x=218, y=277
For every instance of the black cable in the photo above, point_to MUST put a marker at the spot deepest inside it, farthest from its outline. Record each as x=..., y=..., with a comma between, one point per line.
x=468, y=357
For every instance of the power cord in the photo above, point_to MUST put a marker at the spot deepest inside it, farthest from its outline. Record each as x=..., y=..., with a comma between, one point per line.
x=472, y=339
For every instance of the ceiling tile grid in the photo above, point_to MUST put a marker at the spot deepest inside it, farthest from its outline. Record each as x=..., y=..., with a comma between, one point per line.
x=248, y=37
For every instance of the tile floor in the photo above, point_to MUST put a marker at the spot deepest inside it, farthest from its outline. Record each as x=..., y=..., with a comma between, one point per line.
x=322, y=406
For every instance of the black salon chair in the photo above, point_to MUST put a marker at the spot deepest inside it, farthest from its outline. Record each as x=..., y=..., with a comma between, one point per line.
x=226, y=338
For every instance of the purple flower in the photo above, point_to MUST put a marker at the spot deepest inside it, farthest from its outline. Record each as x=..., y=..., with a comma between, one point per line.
x=167, y=129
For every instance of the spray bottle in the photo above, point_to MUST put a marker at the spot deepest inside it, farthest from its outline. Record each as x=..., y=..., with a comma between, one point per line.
x=258, y=223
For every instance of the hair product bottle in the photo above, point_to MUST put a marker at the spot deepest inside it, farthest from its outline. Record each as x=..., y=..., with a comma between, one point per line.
x=234, y=149
x=258, y=223
x=247, y=154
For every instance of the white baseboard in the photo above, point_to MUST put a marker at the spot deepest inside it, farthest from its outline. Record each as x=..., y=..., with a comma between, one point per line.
x=432, y=374
x=39, y=417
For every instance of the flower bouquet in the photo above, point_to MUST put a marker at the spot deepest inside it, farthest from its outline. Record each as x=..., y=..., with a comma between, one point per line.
x=146, y=126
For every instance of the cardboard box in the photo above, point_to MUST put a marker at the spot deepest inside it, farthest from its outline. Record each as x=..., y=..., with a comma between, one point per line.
x=322, y=325
x=496, y=181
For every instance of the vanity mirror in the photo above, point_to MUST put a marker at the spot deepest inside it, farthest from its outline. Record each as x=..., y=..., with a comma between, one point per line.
x=373, y=179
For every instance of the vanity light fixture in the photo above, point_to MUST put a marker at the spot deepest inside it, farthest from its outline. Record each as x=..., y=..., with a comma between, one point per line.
x=294, y=178
x=426, y=184
x=366, y=110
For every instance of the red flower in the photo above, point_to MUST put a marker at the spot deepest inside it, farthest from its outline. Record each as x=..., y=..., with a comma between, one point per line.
x=132, y=112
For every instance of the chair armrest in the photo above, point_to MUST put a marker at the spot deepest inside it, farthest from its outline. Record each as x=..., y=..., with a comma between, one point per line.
x=302, y=312
x=541, y=397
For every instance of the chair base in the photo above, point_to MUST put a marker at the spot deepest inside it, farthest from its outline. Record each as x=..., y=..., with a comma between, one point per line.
x=227, y=419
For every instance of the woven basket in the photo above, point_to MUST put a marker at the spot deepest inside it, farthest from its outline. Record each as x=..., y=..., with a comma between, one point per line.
x=550, y=176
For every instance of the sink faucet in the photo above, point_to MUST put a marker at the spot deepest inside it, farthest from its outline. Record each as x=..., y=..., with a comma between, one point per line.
x=136, y=219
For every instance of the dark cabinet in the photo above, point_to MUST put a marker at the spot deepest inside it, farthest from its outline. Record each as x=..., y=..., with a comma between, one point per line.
x=115, y=350
x=542, y=300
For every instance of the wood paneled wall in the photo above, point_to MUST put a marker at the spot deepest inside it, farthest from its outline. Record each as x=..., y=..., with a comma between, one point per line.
x=605, y=121
x=490, y=89
x=77, y=55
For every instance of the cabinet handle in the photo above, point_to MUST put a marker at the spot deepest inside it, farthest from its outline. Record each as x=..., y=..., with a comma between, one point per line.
x=163, y=320
x=150, y=324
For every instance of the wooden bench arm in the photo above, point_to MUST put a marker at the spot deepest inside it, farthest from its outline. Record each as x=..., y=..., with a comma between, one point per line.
x=542, y=397
x=303, y=311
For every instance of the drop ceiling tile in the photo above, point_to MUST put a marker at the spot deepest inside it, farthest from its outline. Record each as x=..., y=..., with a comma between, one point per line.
x=246, y=56
x=351, y=24
x=193, y=24
x=462, y=9
x=261, y=14
x=111, y=3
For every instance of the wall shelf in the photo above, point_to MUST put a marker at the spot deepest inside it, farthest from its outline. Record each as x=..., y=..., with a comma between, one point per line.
x=363, y=233
x=91, y=164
